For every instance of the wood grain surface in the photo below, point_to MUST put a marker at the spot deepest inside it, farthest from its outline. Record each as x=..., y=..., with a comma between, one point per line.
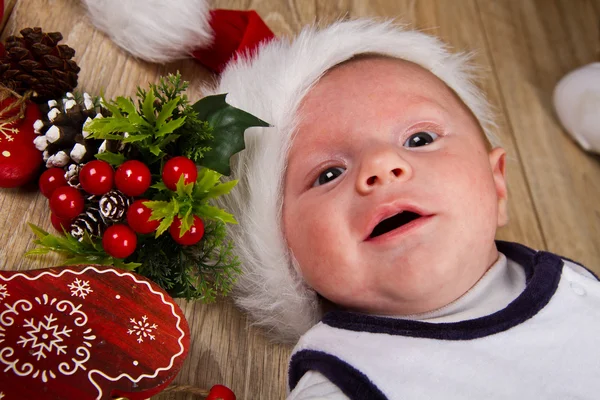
x=524, y=48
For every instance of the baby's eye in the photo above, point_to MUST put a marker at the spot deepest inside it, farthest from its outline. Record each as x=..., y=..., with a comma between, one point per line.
x=328, y=175
x=420, y=139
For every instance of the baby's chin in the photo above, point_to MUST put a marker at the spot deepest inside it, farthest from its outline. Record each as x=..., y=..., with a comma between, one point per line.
x=403, y=295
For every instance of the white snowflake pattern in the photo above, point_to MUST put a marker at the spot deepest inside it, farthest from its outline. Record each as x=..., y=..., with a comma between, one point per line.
x=3, y=294
x=142, y=329
x=6, y=131
x=80, y=288
x=44, y=337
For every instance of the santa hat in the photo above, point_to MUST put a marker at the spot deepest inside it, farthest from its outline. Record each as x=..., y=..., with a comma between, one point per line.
x=162, y=31
x=271, y=85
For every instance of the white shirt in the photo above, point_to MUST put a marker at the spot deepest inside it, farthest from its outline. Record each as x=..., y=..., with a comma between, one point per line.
x=500, y=285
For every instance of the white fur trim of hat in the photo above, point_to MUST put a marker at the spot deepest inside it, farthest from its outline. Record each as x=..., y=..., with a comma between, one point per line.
x=154, y=30
x=271, y=85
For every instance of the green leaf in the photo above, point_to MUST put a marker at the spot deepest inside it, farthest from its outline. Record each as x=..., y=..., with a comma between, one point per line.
x=169, y=127
x=154, y=149
x=130, y=266
x=114, y=110
x=215, y=213
x=126, y=105
x=138, y=137
x=39, y=232
x=220, y=190
x=160, y=209
x=115, y=159
x=186, y=222
x=109, y=125
x=207, y=178
x=167, y=111
x=148, y=107
x=182, y=189
x=159, y=186
x=228, y=124
x=164, y=225
x=37, y=251
x=85, y=259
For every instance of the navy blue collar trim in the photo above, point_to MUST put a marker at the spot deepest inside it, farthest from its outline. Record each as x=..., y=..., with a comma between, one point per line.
x=351, y=381
x=542, y=270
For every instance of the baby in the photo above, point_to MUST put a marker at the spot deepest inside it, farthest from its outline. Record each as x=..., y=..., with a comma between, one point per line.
x=376, y=195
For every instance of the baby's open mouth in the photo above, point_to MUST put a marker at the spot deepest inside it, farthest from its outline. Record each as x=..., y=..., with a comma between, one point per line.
x=393, y=222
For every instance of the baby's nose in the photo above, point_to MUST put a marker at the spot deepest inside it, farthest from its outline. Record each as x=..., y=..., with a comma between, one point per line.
x=381, y=167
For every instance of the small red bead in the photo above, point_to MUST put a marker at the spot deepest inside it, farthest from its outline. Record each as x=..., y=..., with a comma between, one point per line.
x=50, y=180
x=176, y=167
x=66, y=202
x=60, y=223
x=119, y=241
x=133, y=178
x=96, y=177
x=220, y=392
x=192, y=236
x=138, y=216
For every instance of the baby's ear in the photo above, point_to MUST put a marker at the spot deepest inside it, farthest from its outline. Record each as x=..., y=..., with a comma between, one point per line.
x=497, y=158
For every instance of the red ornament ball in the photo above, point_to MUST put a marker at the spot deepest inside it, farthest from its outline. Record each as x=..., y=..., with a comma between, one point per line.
x=119, y=241
x=51, y=180
x=192, y=236
x=138, y=216
x=96, y=177
x=66, y=202
x=220, y=392
x=20, y=161
x=176, y=167
x=133, y=178
x=60, y=223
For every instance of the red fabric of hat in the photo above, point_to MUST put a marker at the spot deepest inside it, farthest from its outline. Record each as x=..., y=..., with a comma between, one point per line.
x=235, y=33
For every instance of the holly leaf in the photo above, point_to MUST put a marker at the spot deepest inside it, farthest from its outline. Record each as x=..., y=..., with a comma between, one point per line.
x=186, y=222
x=182, y=189
x=228, y=126
x=214, y=213
x=162, y=210
x=115, y=159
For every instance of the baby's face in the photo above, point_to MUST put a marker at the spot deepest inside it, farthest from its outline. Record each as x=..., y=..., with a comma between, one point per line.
x=378, y=137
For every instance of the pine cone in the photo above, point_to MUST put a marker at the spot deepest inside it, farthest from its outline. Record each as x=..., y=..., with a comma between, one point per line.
x=62, y=138
x=89, y=221
x=37, y=62
x=113, y=206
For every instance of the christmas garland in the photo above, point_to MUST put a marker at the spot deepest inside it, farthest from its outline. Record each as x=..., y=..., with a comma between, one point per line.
x=130, y=181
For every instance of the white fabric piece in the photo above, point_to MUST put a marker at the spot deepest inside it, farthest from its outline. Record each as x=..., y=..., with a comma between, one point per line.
x=315, y=386
x=500, y=285
x=552, y=355
x=577, y=104
x=271, y=85
x=154, y=30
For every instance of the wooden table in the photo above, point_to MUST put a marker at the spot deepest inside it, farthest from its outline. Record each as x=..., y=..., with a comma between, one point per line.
x=525, y=46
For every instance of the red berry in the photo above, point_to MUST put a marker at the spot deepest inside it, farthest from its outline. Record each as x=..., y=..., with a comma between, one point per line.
x=50, y=180
x=176, y=167
x=133, y=178
x=96, y=177
x=138, y=216
x=60, y=223
x=119, y=241
x=192, y=236
x=66, y=202
x=220, y=392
